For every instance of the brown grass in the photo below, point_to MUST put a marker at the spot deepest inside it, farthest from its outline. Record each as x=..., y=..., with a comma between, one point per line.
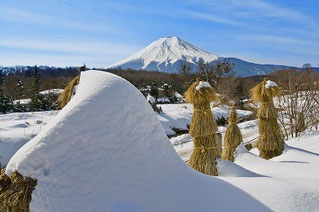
x=203, y=129
x=232, y=136
x=65, y=97
x=271, y=141
x=15, y=192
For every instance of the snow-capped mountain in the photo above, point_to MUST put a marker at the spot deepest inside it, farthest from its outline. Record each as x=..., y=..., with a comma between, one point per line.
x=167, y=54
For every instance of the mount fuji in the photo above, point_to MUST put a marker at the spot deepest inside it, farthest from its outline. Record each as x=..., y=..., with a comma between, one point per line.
x=167, y=54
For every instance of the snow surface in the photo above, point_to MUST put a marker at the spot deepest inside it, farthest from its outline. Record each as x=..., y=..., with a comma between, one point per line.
x=166, y=54
x=150, y=99
x=202, y=85
x=52, y=92
x=293, y=177
x=181, y=139
x=16, y=129
x=22, y=101
x=289, y=182
x=178, y=95
x=270, y=83
x=102, y=155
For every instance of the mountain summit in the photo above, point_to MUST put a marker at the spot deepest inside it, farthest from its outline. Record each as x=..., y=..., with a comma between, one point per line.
x=167, y=54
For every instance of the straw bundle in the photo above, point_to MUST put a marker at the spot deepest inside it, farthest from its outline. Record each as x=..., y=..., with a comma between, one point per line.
x=15, y=192
x=271, y=141
x=65, y=97
x=232, y=136
x=203, y=129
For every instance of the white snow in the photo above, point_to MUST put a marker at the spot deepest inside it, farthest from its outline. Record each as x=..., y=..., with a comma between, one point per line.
x=52, y=92
x=270, y=83
x=16, y=129
x=22, y=101
x=181, y=139
x=293, y=177
x=102, y=155
x=229, y=169
x=166, y=53
x=150, y=99
x=178, y=95
x=202, y=85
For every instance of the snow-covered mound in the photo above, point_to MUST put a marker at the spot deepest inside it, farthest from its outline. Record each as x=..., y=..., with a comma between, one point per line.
x=106, y=151
x=166, y=54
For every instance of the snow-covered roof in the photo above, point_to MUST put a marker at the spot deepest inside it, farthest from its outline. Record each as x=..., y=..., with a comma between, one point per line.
x=120, y=159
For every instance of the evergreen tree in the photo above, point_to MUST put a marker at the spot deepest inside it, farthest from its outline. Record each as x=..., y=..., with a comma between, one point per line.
x=82, y=68
x=36, y=99
x=154, y=91
x=168, y=91
x=19, y=89
x=5, y=101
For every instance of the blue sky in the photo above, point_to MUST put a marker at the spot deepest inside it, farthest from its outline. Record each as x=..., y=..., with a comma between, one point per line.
x=99, y=33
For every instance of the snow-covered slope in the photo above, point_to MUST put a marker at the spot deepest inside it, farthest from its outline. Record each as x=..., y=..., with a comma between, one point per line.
x=167, y=54
x=106, y=151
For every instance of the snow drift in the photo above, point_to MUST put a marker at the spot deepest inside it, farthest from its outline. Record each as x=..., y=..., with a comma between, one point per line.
x=106, y=151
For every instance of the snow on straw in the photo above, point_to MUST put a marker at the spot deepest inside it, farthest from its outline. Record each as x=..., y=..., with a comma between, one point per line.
x=202, y=85
x=270, y=83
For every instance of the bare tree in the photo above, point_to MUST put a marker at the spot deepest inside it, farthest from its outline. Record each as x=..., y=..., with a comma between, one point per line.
x=213, y=73
x=300, y=101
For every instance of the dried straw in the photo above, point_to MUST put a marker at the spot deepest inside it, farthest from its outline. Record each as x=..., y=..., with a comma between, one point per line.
x=271, y=141
x=203, y=129
x=232, y=136
x=15, y=192
x=65, y=97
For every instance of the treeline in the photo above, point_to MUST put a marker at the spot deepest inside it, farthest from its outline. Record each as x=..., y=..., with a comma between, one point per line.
x=19, y=82
x=26, y=83
x=44, y=71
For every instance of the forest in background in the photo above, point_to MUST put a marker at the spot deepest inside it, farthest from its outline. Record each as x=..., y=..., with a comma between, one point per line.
x=25, y=82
